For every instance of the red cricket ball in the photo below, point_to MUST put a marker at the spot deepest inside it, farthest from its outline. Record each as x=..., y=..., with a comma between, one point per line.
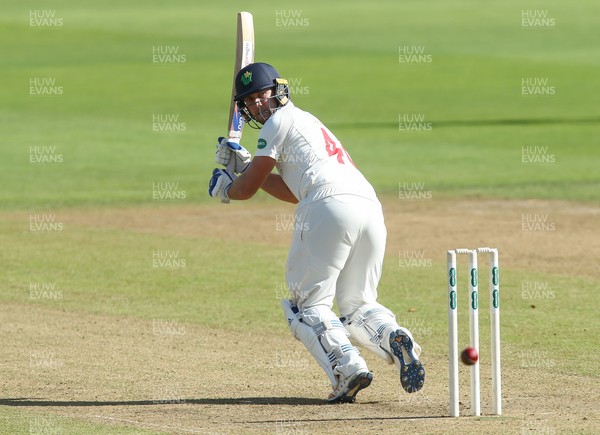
x=469, y=356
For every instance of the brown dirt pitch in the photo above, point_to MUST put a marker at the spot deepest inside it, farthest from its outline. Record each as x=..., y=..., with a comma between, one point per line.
x=114, y=371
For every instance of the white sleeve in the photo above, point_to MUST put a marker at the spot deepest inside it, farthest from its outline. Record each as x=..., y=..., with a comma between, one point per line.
x=272, y=137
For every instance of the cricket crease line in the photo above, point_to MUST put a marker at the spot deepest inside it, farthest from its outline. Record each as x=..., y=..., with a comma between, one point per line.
x=155, y=425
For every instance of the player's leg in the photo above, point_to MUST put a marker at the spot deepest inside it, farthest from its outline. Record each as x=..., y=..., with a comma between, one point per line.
x=371, y=324
x=314, y=263
x=375, y=327
x=323, y=334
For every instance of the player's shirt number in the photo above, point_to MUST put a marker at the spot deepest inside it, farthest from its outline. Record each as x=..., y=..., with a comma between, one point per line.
x=335, y=149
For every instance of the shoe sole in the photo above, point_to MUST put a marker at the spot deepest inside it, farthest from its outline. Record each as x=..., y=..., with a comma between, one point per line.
x=412, y=375
x=363, y=380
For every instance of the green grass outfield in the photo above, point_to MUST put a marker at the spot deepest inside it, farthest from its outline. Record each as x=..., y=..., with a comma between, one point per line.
x=345, y=65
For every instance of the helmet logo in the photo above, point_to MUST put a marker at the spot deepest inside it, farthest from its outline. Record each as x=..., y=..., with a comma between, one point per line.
x=247, y=78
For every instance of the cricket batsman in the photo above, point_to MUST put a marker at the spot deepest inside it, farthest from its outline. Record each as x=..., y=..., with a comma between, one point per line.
x=339, y=234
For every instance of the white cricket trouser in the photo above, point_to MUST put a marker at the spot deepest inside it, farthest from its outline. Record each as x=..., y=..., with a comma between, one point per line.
x=337, y=252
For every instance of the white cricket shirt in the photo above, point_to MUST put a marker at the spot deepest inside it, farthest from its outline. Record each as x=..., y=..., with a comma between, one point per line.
x=310, y=159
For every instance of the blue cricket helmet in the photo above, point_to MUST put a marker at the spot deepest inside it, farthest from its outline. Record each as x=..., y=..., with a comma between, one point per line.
x=258, y=77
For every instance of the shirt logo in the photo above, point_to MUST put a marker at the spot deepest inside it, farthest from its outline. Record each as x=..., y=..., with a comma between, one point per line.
x=261, y=144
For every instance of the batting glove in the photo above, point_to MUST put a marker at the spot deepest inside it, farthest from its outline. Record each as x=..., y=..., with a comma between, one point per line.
x=219, y=184
x=232, y=155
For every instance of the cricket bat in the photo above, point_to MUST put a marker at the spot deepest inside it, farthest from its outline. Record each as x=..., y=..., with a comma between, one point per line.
x=244, y=55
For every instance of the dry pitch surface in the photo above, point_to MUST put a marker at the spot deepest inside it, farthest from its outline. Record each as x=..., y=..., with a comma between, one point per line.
x=115, y=371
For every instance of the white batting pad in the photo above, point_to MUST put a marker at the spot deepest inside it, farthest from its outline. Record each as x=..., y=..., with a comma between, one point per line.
x=371, y=325
x=323, y=334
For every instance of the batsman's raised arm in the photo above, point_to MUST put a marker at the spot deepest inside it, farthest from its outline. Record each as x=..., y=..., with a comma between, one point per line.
x=256, y=176
x=248, y=183
x=276, y=187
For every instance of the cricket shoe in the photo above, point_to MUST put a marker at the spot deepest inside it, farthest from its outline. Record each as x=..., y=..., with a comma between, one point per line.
x=348, y=387
x=412, y=373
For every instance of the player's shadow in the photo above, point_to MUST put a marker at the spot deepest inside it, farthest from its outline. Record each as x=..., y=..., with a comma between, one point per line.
x=24, y=401
x=32, y=401
x=292, y=401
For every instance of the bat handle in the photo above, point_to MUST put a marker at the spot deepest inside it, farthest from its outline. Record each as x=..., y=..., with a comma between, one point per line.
x=230, y=167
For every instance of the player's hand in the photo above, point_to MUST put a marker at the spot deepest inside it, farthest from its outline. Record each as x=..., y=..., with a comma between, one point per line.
x=219, y=184
x=228, y=150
